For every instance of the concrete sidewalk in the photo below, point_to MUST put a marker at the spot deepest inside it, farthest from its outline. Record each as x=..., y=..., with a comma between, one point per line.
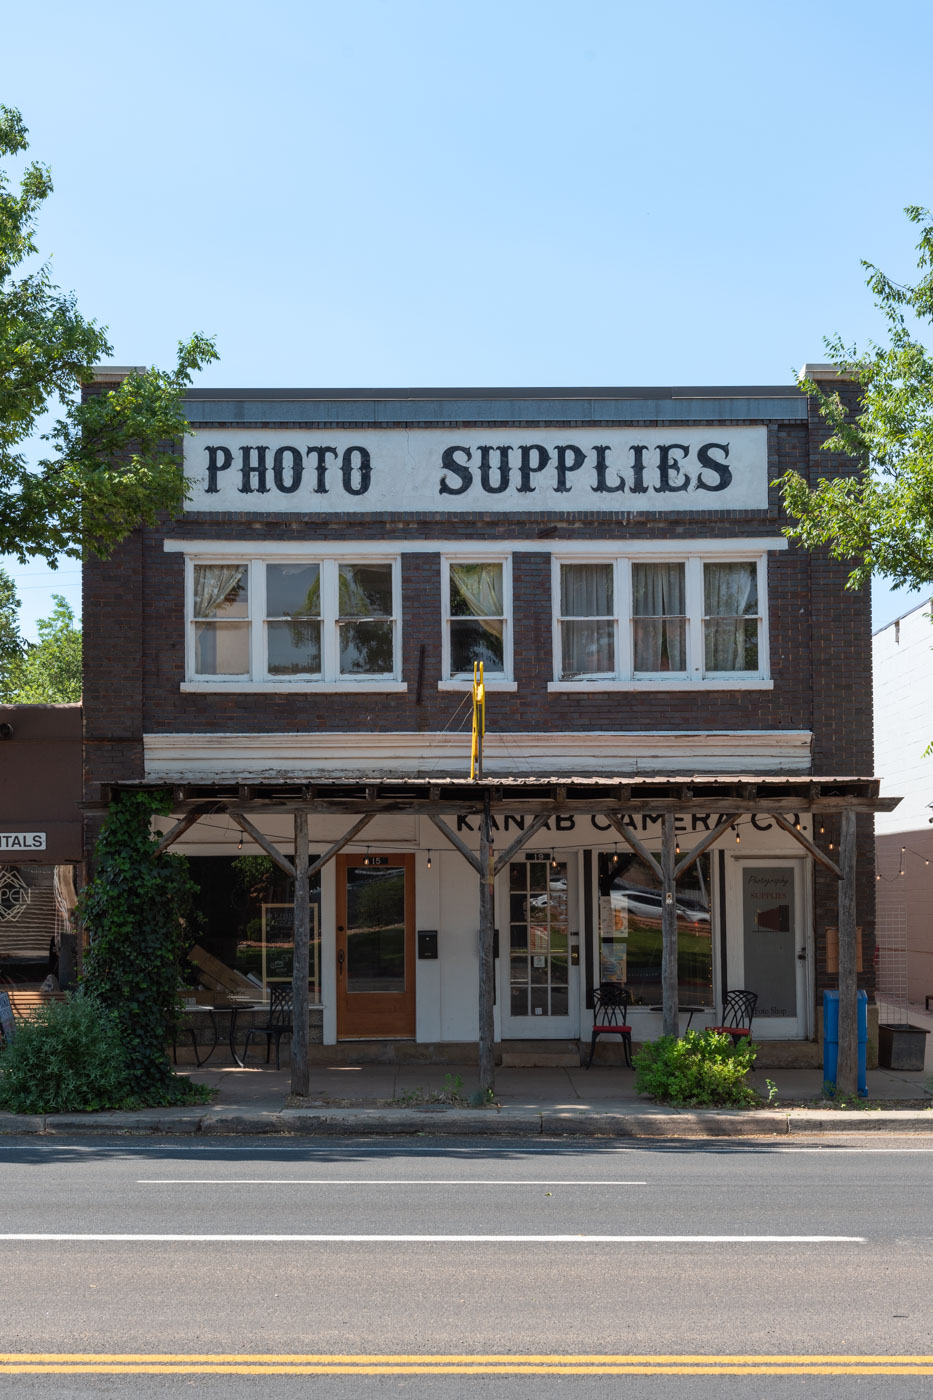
x=383, y=1099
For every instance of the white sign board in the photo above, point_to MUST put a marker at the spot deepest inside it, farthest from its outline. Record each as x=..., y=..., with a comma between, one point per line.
x=504, y=469
x=22, y=841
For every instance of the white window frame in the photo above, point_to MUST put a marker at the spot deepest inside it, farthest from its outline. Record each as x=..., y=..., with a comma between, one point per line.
x=330, y=681
x=500, y=680
x=693, y=556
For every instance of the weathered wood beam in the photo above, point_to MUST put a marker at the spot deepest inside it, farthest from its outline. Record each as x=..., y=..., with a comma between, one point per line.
x=670, y=987
x=637, y=846
x=521, y=840
x=301, y=960
x=710, y=839
x=338, y=845
x=179, y=829
x=487, y=919
x=807, y=844
x=847, y=1067
x=264, y=843
x=454, y=840
x=531, y=806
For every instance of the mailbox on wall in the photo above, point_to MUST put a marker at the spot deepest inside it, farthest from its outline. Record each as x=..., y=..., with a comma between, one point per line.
x=427, y=943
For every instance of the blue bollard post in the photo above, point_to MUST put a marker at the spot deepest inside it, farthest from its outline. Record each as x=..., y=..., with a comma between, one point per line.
x=831, y=1041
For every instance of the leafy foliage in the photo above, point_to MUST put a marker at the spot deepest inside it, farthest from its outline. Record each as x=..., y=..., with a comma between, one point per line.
x=881, y=521
x=67, y=1058
x=114, y=461
x=11, y=643
x=701, y=1069
x=48, y=672
x=135, y=910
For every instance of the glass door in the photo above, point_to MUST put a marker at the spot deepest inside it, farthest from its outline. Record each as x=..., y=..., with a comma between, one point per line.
x=768, y=948
x=375, y=947
x=538, y=979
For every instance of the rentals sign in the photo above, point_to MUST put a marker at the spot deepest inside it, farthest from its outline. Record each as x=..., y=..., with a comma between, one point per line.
x=335, y=470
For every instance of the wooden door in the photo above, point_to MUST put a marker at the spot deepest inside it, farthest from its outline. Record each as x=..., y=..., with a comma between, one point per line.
x=375, y=947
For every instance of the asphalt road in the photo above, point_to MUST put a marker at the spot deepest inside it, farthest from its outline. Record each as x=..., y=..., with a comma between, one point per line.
x=416, y=1268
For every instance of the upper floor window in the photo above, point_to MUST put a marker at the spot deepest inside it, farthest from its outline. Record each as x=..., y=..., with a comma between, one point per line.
x=324, y=621
x=476, y=606
x=659, y=621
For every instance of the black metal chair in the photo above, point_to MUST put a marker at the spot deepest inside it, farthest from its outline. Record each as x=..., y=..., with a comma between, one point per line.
x=737, y=1012
x=610, y=1014
x=278, y=1024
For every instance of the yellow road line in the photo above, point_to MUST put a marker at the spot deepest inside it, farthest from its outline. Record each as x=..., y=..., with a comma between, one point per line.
x=385, y=1364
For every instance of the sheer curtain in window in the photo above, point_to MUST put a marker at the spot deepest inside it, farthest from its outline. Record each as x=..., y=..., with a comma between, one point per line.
x=477, y=617
x=659, y=608
x=587, y=624
x=731, y=608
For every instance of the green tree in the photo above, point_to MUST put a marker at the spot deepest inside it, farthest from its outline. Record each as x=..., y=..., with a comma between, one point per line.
x=11, y=643
x=48, y=672
x=113, y=459
x=880, y=521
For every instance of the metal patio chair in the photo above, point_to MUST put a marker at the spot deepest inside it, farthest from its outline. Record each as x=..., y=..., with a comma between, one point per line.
x=610, y=1014
x=737, y=1012
x=278, y=1024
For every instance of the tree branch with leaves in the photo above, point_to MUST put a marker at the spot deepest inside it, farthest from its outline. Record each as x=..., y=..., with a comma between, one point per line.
x=880, y=522
x=114, y=458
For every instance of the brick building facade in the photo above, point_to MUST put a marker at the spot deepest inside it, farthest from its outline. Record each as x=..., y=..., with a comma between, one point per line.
x=348, y=554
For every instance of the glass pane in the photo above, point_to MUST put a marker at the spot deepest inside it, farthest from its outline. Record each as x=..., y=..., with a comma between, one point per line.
x=476, y=590
x=519, y=907
x=730, y=590
x=519, y=1001
x=293, y=590
x=537, y=870
x=476, y=641
x=658, y=590
x=366, y=590
x=518, y=880
x=539, y=1001
x=539, y=977
x=518, y=969
x=366, y=649
x=630, y=905
x=586, y=590
x=220, y=590
x=376, y=930
x=221, y=648
x=519, y=937
x=587, y=649
x=731, y=644
x=559, y=971
x=770, y=939
x=660, y=646
x=294, y=648
x=559, y=1001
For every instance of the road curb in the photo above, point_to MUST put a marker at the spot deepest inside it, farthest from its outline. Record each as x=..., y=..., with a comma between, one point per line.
x=441, y=1121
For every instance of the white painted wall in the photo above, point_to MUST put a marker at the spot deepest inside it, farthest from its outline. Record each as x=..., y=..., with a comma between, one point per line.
x=902, y=659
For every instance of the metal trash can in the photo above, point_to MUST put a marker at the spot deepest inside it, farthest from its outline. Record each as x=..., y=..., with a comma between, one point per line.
x=831, y=1041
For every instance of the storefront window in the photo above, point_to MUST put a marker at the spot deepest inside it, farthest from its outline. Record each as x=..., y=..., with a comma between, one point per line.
x=630, y=904
x=36, y=904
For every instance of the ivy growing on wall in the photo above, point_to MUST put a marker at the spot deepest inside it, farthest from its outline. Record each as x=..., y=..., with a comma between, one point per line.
x=138, y=911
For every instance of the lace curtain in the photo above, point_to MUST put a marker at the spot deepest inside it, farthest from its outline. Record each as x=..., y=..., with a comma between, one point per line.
x=731, y=608
x=658, y=604
x=220, y=587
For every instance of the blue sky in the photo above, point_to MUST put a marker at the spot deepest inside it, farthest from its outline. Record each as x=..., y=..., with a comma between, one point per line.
x=399, y=192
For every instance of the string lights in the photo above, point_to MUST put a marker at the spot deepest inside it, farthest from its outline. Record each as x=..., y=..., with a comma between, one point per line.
x=902, y=865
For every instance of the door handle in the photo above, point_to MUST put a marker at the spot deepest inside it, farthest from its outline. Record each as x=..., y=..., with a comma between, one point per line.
x=340, y=957
x=802, y=955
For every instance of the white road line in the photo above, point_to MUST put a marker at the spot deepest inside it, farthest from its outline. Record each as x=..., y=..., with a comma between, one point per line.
x=356, y=1181
x=434, y=1239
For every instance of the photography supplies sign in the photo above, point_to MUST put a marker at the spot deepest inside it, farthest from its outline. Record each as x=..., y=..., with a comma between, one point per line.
x=338, y=470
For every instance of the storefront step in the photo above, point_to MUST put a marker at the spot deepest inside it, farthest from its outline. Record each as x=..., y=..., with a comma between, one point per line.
x=540, y=1054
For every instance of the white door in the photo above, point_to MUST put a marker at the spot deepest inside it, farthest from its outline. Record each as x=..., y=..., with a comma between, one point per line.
x=538, y=976
x=768, y=946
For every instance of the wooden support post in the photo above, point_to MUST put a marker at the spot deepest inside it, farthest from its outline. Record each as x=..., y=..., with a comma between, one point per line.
x=669, y=983
x=487, y=1067
x=847, y=1068
x=301, y=958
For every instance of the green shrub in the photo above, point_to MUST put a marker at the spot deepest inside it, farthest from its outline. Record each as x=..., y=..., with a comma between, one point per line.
x=67, y=1058
x=699, y=1070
